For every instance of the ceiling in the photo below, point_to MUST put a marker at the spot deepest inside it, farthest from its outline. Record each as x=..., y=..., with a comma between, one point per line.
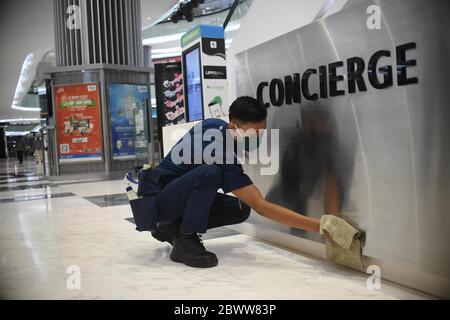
x=152, y=10
x=39, y=18
x=165, y=37
x=15, y=26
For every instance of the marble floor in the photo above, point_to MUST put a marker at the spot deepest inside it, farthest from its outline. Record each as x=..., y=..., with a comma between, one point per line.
x=74, y=239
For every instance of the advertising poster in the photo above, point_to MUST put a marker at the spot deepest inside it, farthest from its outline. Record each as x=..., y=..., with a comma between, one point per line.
x=169, y=93
x=78, y=123
x=128, y=110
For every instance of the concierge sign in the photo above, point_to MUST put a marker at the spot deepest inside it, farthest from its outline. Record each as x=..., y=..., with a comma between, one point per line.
x=78, y=122
x=339, y=78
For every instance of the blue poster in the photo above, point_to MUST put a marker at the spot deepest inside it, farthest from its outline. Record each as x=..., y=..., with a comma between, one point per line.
x=128, y=111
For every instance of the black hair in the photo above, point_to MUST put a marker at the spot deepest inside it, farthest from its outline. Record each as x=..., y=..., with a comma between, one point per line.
x=247, y=109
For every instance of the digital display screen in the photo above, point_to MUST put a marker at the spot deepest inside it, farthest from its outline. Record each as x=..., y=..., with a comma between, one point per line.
x=194, y=85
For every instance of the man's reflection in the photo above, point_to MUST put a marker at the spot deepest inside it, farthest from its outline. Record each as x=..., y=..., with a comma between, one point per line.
x=312, y=164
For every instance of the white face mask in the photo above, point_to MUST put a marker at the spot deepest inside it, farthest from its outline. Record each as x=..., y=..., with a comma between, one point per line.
x=241, y=135
x=245, y=140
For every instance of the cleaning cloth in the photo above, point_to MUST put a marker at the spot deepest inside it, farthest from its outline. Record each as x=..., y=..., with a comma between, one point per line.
x=345, y=245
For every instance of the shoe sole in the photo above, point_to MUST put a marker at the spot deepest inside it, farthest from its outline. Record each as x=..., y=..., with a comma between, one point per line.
x=161, y=237
x=179, y=259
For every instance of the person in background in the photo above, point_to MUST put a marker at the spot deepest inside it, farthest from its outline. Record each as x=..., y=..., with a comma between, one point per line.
x=39, y=150
x=20, y=149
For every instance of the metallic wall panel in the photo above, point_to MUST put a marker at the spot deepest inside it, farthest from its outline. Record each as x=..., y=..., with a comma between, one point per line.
x=384, y=154
x=116, y=32
x=140, y=48
x=57, y=34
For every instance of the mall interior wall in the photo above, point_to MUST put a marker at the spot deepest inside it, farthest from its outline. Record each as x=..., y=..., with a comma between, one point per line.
x=266, y=20
x=35, y=35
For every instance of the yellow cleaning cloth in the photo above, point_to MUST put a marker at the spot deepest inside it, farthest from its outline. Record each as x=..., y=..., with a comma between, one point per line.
x=345, y=247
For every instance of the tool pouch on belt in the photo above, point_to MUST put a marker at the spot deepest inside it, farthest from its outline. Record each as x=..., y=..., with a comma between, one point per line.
x=144, y=207
x=150, y=183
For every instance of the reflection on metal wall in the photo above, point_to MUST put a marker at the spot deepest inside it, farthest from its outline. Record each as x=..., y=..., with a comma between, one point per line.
x=378, y=151
x=98, y=31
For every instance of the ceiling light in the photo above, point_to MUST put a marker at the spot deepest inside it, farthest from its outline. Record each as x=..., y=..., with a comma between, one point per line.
x=187, y=10
x=166, y=55
x=17, y=133
x=176, y=16
x=165, y=50
x=163, y=39
x=195, y=3
x=189, y=16
x=25, y=108
x=20, y=120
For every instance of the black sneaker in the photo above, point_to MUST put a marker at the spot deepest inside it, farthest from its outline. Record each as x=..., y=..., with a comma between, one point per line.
x=167, y=232
x=189, y=249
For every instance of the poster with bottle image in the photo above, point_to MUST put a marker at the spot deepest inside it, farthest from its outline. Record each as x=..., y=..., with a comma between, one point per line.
x=78, y=124
x=169, y=93
x=129, y=120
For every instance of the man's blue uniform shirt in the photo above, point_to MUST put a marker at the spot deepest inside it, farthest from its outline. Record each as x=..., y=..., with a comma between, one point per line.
x=233, y=176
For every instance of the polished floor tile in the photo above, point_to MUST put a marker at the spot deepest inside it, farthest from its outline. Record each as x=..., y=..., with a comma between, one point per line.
x=109, y=200
x=42, y=240
x=37, y=197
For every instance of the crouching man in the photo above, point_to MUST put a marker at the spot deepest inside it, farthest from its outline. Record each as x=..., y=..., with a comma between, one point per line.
x=189, y=204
